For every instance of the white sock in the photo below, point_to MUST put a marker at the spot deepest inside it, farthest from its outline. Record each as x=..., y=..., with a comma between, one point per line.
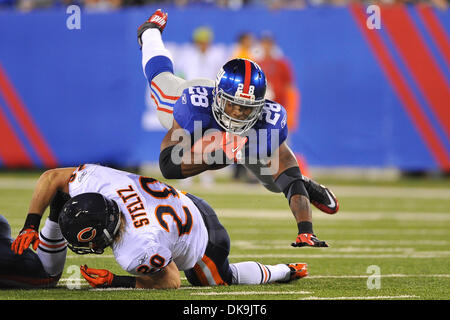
x=251, y=272
x=152, y=45
x=52, y=248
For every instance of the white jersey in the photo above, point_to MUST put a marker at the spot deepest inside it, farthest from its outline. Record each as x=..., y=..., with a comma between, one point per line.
x=162, y=224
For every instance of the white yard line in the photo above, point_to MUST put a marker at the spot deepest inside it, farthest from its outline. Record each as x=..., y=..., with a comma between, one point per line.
x=381, y=276
x=342, y=215
x=256, y=189
x=340, y=245
x=296, y=254
x=339, y=190
x=236, y=230
x=303, y=256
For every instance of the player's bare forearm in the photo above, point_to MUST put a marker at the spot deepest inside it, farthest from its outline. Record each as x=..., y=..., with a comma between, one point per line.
x=47, y=186
x=168, y=278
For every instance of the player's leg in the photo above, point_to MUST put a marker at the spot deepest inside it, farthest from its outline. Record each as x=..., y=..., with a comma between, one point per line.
x=262, y=173
x=215, y=269
x=319, y=195
x=5, y=229
x=158, y=69
x=251, y=272
x=157, y=64
x=52, y=247
x=20, y=271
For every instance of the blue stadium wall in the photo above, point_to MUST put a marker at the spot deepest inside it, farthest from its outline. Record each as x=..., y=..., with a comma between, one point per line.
x=369, y=98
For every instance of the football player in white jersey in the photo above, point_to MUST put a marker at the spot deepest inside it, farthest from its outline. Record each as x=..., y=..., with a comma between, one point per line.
x=153, y=229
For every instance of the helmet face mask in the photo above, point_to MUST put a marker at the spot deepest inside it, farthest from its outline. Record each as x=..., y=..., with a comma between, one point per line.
x=233, y=124
x=240, y=84
x=84, y=250
x=89, y=222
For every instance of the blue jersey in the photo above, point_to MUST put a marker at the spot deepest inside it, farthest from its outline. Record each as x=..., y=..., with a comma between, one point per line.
x=194, y=110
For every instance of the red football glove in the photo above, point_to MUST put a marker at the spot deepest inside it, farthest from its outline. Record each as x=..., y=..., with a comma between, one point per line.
x=97, y=278
x=24, y=239
x=308, y=240
x=228, y=143
x=232, y=145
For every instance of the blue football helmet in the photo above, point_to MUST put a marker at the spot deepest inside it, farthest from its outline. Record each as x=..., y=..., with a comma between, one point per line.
x=239, y=95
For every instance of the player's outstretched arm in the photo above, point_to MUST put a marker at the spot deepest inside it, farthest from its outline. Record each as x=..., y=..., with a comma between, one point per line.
x=47, y=186
x=289, y=180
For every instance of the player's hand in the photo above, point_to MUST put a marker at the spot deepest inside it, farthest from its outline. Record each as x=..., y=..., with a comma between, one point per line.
x=26, y=237
x=232, y=145
x=157, y=20
x=308, y=240
x=97, y=278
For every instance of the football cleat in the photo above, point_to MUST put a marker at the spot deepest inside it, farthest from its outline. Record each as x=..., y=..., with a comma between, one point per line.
x=308, y=240
x=158, y=20
x=298, y=270
x=321, y=197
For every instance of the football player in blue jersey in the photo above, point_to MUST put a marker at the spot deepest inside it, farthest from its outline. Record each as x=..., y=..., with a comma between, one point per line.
x=227, y=121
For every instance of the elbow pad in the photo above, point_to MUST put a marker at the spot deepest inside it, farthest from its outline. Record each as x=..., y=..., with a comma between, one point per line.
x=290, y=182
x=168, y=168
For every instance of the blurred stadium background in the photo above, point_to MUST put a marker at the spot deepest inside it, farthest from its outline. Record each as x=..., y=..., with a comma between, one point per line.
x=373, y=100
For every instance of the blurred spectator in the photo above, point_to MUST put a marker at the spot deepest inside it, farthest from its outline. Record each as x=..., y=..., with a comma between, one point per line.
x=28, y=5
x=281, y=86
x=102, y=5
x=201, y=58
x=286, y=4
x=244, y=47
x=106, y=5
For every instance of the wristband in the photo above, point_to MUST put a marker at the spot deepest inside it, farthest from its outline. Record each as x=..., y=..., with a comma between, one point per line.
x=168, y=168
x=123, y=282
x=32, y=221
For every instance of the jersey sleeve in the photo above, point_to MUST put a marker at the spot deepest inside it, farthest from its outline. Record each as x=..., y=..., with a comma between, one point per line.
x=272, y=131
x=183, y=113
x=150, y=260
x=78, y=180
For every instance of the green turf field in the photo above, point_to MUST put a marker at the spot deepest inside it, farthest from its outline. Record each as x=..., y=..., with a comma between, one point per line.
x=390, y=240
